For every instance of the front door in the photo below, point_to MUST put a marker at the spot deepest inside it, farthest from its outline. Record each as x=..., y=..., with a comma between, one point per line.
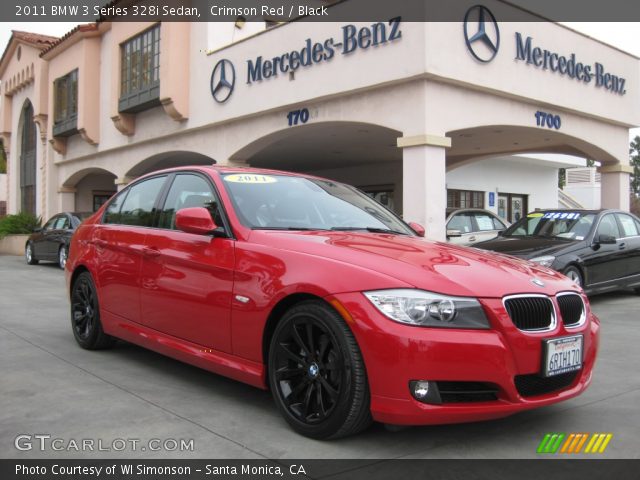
x=187, y=279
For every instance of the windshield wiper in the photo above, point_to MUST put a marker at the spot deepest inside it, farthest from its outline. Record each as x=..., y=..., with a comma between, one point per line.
x=368, y=229
x=301, y=229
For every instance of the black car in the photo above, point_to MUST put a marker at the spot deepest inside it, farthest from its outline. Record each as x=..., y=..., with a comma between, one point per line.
x=598, y=249
x=51, y=242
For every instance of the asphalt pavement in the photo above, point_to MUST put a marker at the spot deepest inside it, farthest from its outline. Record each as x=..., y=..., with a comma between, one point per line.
x=134, y=403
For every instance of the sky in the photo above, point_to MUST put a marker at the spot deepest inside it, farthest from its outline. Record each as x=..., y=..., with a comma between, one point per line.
x=623, y=35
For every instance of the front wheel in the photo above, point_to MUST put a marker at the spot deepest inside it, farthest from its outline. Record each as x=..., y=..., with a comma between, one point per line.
x=574, y=274
x=62, y=256
x=85, y=315
x=28, y=255
x=316, y=373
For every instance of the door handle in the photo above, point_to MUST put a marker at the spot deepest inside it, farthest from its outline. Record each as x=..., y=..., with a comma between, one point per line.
x=472, y=238
x=150, y=252
x=622, y=246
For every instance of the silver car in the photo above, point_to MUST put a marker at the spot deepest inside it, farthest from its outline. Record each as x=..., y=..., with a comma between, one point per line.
x=470, y=225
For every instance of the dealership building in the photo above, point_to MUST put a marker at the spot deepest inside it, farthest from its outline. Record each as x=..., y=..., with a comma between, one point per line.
x=424, y=116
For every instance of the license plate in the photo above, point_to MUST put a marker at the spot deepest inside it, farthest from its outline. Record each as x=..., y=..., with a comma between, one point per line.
x=562, y=355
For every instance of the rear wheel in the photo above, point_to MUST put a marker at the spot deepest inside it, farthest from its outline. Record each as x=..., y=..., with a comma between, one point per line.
x=316, y=373
x=85, y=315
x=62, y=256
x=28, y=255
x=574, y=274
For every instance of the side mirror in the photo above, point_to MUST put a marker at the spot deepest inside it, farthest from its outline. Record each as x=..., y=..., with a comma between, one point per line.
x=37, y=230
x=606, y=239
x=195, y=220
x=416, y=227
x=454, y=233
x=501, y=232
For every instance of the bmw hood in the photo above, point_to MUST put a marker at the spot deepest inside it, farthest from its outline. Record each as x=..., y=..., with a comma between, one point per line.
x=427, y=265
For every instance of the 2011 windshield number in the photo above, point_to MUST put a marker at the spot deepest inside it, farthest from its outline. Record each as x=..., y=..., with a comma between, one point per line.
x=296, y=117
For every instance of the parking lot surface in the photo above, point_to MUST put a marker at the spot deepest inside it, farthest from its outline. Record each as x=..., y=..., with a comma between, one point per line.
x=50, y=386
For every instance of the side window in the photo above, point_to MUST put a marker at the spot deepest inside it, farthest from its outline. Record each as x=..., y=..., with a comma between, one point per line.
x=485, y=222
x=608, y=226
x=498, y=225
x=112, y=213
x=188, y=191
x=629, y=228
x=461, y=222
x=50, y=224
x=137, y=208
x=62, y=223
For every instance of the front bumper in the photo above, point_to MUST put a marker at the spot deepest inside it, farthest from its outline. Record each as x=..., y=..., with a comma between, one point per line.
x=396, y=354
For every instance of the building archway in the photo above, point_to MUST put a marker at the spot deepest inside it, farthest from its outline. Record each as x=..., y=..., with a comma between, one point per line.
x=27, y=141
x=361, y=154
x=168, y=160
x=90, y=187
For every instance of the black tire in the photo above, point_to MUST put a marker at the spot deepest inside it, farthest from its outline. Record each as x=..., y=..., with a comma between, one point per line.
x=316, y=373
x=574, y=274
x=63, y=253
x=29, y=255
x=85, y=315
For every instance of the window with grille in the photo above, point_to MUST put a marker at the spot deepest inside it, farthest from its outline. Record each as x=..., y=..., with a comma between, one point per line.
x=465, y=199
x=65, y=105
x=140, y=72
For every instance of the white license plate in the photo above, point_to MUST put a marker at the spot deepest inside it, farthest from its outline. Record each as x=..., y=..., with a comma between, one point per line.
x=562, y=355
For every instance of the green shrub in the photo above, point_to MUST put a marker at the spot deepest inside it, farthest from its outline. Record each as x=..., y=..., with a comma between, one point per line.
x=17, y=224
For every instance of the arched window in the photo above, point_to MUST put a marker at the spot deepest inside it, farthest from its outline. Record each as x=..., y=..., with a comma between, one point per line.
x=27, y=160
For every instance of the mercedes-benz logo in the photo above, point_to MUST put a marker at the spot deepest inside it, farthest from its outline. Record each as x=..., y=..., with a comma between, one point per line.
x=223, y=79
x=485, y=42
x=537, y=282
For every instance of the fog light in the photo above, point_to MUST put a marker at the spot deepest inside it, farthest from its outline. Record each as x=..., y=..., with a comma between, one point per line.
x=425, y=391
x=420, y=389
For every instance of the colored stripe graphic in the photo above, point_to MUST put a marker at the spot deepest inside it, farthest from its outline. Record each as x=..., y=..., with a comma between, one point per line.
x=551, y=442
x=573, y=443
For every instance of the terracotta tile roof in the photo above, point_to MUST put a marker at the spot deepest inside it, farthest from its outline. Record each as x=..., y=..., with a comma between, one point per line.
x=85, y=27
x=36, y=39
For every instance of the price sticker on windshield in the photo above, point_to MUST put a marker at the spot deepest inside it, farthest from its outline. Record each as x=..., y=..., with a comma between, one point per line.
x=562, y=215
x=249, y=178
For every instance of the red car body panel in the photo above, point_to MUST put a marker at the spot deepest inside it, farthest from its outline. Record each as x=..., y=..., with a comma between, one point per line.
x=177, y=293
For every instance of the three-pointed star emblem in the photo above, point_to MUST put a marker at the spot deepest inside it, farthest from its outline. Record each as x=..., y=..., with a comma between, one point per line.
x=485, y=42
x=223, y=79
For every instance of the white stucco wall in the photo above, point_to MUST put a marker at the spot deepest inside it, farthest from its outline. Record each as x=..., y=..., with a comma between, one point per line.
x=587, y=195
x=509, y=175
x=92, y=183
x=3, y=187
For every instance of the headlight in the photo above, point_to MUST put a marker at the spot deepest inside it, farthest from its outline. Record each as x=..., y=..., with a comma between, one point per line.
x=545, y=260
x=428, y=309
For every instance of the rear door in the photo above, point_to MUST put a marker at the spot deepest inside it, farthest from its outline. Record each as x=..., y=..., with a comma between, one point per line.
x=486, y=227
x=119, y=243
x=187, y=279
x=630, y=230
x=40, y=240
x=605, y=262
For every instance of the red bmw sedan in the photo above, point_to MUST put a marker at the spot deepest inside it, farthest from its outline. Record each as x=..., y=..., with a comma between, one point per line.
x=311, y=289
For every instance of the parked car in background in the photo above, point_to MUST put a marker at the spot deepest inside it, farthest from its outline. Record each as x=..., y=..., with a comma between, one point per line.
x=597, y=249
x=311, y=289
x=467, y=226
x=51, y=242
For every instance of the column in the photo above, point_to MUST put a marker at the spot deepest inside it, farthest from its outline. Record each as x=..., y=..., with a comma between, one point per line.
x=122, y=182
x=424, y=190
x=615, y=186
x=66, y=200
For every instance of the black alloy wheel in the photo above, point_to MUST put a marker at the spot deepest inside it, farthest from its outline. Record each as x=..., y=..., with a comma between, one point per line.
x=316, y=373
x=28, y=255
x=85, y=315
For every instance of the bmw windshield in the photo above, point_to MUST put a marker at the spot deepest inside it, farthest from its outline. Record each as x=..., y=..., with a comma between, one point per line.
x=284, y=202
x=562, y=225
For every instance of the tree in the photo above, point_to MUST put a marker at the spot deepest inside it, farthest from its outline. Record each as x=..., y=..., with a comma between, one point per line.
x=3, y=159
x=634, y=161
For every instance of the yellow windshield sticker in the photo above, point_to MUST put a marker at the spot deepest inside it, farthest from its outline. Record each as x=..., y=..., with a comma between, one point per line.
x=535, y=215
x=249, y=178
